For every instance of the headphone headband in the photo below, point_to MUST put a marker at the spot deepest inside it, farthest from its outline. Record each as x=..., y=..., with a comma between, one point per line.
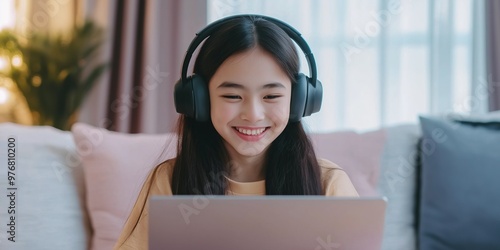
x=191, y=95
x=290, y=31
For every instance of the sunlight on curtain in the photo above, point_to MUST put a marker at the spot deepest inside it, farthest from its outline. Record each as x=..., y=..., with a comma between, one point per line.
x=385, y=62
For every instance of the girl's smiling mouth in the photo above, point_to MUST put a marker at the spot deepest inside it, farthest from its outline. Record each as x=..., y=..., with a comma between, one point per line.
x=250, y=134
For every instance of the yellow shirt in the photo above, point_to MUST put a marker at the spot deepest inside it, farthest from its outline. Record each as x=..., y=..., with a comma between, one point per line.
x=335, y=182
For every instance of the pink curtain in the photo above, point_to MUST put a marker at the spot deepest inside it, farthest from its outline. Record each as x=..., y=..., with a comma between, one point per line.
x=147, y=40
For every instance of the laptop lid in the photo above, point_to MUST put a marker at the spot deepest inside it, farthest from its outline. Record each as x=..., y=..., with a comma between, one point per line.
x=265, y=222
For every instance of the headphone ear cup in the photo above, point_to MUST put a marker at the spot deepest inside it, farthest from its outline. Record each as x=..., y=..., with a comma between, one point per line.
x=314, y=97
x=201, y=99
x=183, y=97
x=192, y=99
x=299, y=98
x=306, y=98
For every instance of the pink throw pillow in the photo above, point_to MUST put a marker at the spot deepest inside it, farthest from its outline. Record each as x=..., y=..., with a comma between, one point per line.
x=358, y=154
x=115, y=166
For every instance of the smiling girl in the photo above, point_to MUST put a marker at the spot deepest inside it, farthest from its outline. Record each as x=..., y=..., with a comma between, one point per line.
x=250, y=145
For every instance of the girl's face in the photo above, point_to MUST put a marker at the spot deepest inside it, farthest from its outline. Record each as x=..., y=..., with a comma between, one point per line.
x=249, y=102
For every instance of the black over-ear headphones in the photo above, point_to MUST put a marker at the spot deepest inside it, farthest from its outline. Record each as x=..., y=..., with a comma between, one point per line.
x=191, y=93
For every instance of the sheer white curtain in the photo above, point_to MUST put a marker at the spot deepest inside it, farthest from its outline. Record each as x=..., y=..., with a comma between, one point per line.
x=385, y=62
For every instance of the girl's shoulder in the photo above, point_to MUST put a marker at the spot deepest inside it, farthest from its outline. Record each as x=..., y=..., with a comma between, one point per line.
x=160, y=177
x=335, y=180
x=330, y=170
x=165, y=168
x=327, y=165
x=167, y=164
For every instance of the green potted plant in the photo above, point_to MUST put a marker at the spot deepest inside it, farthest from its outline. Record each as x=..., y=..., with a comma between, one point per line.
x=54, y=73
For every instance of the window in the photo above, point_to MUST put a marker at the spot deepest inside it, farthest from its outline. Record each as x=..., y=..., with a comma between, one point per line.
x=384, y=62
x=7, y=14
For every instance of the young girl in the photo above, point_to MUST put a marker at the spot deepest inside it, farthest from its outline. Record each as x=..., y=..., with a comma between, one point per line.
x=249, y=145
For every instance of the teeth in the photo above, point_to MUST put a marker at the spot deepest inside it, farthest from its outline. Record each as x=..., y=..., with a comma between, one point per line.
x=251, y=131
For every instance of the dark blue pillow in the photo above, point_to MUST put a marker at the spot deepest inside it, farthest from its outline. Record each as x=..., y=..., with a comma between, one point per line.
x=460, y=185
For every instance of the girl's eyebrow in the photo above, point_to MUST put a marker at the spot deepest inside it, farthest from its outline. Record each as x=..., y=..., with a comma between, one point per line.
x=239, y=86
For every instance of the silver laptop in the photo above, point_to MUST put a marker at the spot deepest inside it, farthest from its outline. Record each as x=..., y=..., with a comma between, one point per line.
x=265, y=222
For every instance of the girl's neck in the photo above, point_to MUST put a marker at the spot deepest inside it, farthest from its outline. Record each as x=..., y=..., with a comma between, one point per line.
x=247, y=169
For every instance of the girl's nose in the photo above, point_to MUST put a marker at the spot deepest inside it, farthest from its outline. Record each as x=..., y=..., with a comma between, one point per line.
x=253, y=111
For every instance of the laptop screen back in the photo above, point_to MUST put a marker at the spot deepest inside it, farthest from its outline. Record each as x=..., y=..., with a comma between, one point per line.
x=265, y=222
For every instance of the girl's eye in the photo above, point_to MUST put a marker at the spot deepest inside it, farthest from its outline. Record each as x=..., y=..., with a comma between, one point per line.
x=232, y=96
x=271, y=96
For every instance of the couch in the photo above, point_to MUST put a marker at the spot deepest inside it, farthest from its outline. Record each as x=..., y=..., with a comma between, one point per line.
x=74, y=189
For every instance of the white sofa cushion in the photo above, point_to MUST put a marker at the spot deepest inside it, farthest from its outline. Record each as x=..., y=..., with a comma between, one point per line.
x=398, y=182
x=49, y=200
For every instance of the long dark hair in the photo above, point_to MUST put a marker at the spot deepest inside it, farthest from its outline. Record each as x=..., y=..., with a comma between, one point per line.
x=202, y=160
